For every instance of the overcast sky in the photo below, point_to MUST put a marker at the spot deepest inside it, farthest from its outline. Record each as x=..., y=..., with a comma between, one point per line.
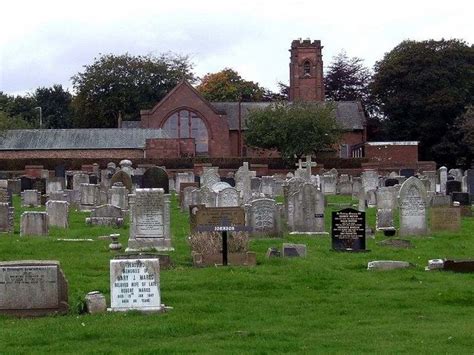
x=45, y=42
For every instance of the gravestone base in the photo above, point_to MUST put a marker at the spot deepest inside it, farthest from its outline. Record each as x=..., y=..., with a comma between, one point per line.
x=161, y=309
x=149, y=244
x=235, y=259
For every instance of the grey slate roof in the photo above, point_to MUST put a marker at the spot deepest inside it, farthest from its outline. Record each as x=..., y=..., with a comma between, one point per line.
x=348, y=113
x=97, y=138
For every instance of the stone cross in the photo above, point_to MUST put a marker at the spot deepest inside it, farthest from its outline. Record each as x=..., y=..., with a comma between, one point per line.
x=309, y=164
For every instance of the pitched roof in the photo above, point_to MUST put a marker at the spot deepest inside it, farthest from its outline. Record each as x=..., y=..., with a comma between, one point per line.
x=348, y=113
x=98, y=138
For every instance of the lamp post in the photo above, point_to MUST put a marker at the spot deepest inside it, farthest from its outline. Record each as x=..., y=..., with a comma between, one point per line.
x=41, y=115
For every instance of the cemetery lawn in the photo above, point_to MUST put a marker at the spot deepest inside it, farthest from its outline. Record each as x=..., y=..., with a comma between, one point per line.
x=327, y=302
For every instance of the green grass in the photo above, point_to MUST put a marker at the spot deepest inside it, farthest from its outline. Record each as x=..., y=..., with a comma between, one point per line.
x=325, y=303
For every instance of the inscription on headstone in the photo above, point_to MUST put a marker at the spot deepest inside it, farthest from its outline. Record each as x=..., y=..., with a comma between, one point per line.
x=348, y=230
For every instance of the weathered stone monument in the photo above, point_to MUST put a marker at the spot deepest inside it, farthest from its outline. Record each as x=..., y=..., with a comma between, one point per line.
x=263, y=216
x=228, y=197
x=122, y=177
x=106, y=215
x=32, y=288
x=33, y=223
x=305, y=210
x=445, y=218
x=6, y=218
x=412, y=202
x=135, y=284
x=118, y=196
x=90, y=196
x=30, y=198
x=58, y=212
x=150, y=221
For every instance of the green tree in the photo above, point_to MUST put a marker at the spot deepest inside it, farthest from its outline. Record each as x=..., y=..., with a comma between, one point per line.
x=228, y=85
x=7, y=122
x=125, y=84
x=55, y=103
x=294, y=129
x=347, y=79
x=20, y=107
x=421, y=88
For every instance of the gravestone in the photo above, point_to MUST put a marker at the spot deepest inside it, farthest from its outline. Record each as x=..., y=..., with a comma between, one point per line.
x=453, y=186
x=210, y=177
x=391, y=182
x=218, y=186
x=90, y=196
x=207, y=196
x=58, y=212
x=135, y=284
x=126, y=167
x=155, y=177
x=39, y=184
x=462, y=197
x=443, y=178
x=6, y=196
x=348, y=230
x=26, y=183
x=328, y=184
x=243, y=182
x=470, y=182
x=228, y=197
x=60, y=171
x=384, y=219
x=431, y=177
x=93, y=179
x=305, y=211
x=386, y=197
x=456, y=173
x=183, y=185
x=106, y=215
x=122, y=177
x=266, y=186
x=118, y=196
x=228, y=180
x=290, y=250
x=445, y=218
x=441, y=201
x=412, y=202
x=370, y=180
x=32, y=288
x=6, y=218
x=79, y=179
x=356, y=185
x=31, y=198
x=387, y=265
x=186, y=194
x=181, y=178
x=344, y=188
x=255, y=184
x=14, y=185
x=407, y=172
x=150, y=221
x=33, y=223
x=263, y=217
x=54, y=184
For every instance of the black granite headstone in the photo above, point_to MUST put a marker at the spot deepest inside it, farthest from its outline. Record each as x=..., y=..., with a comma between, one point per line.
x=391, y=182
x=93, y=179
x=407, y=172
x=60, y=171
x=453, y=186
x=348, y=230
x=229, y=180
x=470, y=182
x=69, y=180
x=462, y=197
x=137, y=180
x=156, y=177
x=450, y=178
x=39, y=184
x=26, y=183
x=459, y=265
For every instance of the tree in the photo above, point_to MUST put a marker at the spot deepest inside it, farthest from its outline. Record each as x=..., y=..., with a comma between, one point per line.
x=294, y=129
x=228, y=85
x=7, y=122
x=124, y=84
x=55, y=104
x=421, y=88
x=347, y=79
x=20, y=107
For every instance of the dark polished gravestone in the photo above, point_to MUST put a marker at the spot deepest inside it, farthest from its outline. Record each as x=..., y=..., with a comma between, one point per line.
x=391, y=182
x=459, y=265
x=229, y=180
x=407, y=172
x=156, y=177
x=462, y=197
x=32, y=288
x=453, y=186
x=60, y=171
x=348, y=230
x=470, y=183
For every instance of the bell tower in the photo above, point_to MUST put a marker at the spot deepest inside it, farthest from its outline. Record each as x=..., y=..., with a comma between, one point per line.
x=306, y=71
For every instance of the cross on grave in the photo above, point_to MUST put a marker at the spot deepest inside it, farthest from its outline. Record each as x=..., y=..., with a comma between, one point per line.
x=309, y=164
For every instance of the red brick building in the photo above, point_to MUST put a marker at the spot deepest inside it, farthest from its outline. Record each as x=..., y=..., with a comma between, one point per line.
x=184, y=124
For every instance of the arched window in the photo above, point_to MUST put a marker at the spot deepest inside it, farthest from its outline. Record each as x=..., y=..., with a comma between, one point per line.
x=187, y=124
x=307, y=68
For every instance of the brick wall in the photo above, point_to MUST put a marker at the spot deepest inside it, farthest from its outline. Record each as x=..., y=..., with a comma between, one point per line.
x=170, y=148
x=392, y=153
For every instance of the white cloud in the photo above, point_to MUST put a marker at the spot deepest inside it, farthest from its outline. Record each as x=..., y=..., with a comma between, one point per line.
x=46, y=42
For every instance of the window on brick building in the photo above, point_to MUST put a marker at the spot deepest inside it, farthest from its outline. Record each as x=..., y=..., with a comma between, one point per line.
x=307, y=68
x=188, y=124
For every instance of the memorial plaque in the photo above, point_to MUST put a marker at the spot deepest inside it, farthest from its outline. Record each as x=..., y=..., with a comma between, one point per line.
x=135, y=285
x=29, y=288
x=216, y=219
x=445, y=218
x=348, y=230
